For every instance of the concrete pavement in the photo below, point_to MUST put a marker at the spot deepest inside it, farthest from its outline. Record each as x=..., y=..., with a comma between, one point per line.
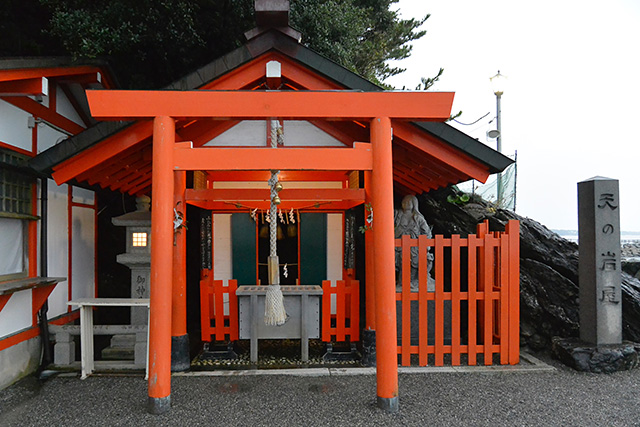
x=433, y=396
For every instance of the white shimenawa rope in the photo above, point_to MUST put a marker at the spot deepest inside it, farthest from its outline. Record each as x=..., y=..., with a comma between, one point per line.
x=274, y=313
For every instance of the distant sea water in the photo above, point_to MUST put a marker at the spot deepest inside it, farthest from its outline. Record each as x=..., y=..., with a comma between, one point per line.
x=625, y=236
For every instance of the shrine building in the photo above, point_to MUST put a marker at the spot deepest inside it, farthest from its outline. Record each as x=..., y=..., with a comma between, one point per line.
x=270, y=113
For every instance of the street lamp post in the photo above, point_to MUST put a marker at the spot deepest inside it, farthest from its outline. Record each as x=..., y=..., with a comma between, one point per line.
x=497, y=82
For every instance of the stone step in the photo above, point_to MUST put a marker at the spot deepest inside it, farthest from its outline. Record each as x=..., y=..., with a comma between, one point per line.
x=123, y=341
x=117, y=353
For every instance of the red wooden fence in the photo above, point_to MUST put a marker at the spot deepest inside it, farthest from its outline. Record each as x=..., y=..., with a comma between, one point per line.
x=490, y=304
x=345, y=318
x=215, y=324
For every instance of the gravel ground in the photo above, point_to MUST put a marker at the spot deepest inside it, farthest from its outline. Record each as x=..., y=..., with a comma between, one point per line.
x=499, y=397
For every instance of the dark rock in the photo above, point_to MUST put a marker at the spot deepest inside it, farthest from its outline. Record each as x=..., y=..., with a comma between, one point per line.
x=597, y=359
x=631, y=266
x=549, y=303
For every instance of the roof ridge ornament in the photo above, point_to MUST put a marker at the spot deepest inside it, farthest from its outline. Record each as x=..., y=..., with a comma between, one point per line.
x=272, y=14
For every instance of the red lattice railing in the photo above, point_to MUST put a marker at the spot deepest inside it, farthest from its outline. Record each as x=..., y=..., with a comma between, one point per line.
x=341, y=319
x=487, y=299
x=215, y=296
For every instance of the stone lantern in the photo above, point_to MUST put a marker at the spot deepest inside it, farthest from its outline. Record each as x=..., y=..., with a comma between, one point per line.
x=138, y=254
x=138, y=258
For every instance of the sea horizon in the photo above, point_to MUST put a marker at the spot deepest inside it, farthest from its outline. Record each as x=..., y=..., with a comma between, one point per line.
x=625, y=236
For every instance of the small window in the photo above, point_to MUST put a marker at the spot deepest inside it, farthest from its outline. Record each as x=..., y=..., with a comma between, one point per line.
x=15, y=187
x=15, y=213
x=139, y=240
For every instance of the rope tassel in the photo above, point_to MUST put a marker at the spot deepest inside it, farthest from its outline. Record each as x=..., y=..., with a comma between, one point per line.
x=274, y=313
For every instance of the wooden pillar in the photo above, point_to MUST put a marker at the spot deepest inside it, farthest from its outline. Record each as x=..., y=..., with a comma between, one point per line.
x=180, y=360
x=369, y=331
x=370, y=318
x=161, y=266
x=384, y=266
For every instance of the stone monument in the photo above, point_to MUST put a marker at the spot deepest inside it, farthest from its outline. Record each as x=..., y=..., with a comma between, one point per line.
x=409, y=221
x=599, y=264
x=600, y=348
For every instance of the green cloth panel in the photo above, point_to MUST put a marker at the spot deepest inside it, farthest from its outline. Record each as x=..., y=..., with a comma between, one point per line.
x=313, y=248
x=243, y=248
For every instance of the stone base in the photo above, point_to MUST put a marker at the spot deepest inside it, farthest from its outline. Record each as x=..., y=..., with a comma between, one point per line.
x=180, y=360
x=341, y=354
x=158, y=405
x=586, y=357
x=388, y=404
x=368, y=347
x=19, y=360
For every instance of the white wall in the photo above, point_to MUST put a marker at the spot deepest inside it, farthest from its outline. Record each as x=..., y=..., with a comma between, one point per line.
x=244, y=134
x=222, y=267
x=297, y=133
x=81, y=195
x=12, y=251
x=64, y=108
x=16, y=315
x=13, y=126
x=48, y=137
x=82, y=253
x=57, y=246
x=300, y=133
x=335, y=246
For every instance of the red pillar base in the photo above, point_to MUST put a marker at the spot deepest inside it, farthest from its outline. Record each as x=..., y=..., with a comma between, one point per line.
x=158, y=405
x=388, y=404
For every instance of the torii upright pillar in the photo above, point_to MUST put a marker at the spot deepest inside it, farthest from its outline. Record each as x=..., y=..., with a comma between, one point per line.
x=384, y=269
x=161, y=266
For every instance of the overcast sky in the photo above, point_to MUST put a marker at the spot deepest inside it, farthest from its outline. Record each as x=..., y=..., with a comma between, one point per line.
x=571, y=107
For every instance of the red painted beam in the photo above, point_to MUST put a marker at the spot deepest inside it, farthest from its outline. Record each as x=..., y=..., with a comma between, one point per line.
x=453, y=158
x=142, y=189
x=256, y=194
x=338, y=105
x=133, y=180
x=107, y=149
x=285, y=205
x=39, y=110
x=34, y=86
x=423, y=164
x=400, y=189
x=357, y=158
x=4, y=299
x=112, y=166
x=30, y=73
x=39, y=296
x=424, y=174
x=86, y=79
x=284, y=176
x=404, y=182
x=126, y=167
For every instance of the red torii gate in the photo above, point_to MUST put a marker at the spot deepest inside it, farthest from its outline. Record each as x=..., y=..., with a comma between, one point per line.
x=379, y=108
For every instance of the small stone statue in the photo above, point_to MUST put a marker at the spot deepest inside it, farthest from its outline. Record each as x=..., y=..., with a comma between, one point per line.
x=409, y=221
